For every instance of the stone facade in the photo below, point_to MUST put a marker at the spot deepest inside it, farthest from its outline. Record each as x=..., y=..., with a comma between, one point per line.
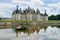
x=29, y=14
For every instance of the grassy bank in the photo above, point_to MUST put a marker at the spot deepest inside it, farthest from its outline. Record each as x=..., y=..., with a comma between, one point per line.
x=28, y=21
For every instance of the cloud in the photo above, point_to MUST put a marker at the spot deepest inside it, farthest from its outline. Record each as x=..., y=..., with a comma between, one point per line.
x=54, y=8
x=37, y=4
x=29, y=2
x=6, y=9
x=51, y=1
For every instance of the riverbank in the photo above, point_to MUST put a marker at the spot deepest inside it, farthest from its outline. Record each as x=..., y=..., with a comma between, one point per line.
x=16, y=23
x=29, y=21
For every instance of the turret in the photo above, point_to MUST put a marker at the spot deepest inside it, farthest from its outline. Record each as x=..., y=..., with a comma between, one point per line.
x=38, y=11
x=45, y=14
x=33, y=11
x=20, y=11
x=17, y=9
x=29, y=8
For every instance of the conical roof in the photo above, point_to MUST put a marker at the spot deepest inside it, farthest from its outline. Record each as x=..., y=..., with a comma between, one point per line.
x=45, y=14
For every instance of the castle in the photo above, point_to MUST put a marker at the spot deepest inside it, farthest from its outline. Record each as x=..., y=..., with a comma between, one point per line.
x=29, y=14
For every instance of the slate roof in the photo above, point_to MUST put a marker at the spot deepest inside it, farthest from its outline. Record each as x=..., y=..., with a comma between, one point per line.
x=29, y=10
x=45, y=14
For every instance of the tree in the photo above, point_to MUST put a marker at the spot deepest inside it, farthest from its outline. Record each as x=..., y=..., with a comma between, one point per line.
x=52, y=17
x=0, y=18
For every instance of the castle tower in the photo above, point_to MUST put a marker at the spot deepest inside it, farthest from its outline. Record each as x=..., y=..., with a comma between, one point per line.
x=38, y=14
x=45, y=16
x=28, y=14
x=17, y=9
x=16, y=14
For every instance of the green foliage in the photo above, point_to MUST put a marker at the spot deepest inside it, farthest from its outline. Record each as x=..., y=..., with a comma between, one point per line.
x=0, y=18
x=52, y=17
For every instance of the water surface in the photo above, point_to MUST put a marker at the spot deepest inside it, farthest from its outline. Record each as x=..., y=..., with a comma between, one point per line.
x=49, y=33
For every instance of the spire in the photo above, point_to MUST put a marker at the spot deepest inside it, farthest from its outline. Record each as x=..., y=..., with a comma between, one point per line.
x=17, y=9
x=38, y=10
x=45, y=14
x=33, y=11
x=29, y=8
x=20, y=10
x=45, y=11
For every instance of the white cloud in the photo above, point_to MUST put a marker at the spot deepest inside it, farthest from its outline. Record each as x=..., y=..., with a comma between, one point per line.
x=29, y=3
x=52, y=5
x=36, y=4
x=55, y=8
x=57, y=5
x=9, y=5
x=6, y=9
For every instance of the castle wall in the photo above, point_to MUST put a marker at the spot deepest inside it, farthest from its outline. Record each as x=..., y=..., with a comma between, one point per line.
x=46, y=18
x=16, y=16
x=29, y=17
x=13, y=17
x=23, y=17
x=33, y=16
x=41, y=18
x=38, y=16
x=29, y=14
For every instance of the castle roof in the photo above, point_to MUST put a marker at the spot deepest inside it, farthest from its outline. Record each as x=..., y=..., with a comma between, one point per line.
x=17, y=9
x=20, y=11
x=29, y=10
x=41, y=14
x=45, y=14
x=38, y=12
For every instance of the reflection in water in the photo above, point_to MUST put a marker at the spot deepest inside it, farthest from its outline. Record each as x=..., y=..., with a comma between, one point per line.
x=56, y=26
x=33, y=33
x=30, y=30
x=40, y=33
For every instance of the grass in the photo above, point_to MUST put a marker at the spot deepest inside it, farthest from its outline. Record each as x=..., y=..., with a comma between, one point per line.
x=28, y=21
x=53, y=20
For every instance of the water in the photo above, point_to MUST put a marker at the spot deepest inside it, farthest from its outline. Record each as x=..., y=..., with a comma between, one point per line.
x=49, y=33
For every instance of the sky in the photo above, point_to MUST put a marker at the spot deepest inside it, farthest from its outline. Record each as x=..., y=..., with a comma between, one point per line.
x=8, y=6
